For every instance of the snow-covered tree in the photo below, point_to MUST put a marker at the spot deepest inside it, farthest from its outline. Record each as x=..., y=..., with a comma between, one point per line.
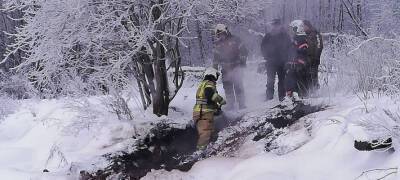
x=384, y=18
x=92, y=45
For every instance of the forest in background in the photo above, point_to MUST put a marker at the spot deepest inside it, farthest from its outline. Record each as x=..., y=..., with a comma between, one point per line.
x=93, y=47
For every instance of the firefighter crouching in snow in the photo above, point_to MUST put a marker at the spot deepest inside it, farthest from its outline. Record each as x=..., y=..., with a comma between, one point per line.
x=296, y=71
x=208, y=104
x=231, y=55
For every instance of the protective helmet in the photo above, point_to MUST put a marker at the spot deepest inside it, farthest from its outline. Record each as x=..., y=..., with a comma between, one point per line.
x=211, y=72
x=220, y=28
x=297, y=27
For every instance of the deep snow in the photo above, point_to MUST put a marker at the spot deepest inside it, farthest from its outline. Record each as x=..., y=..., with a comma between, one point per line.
x=65, y=136
x=325, y=152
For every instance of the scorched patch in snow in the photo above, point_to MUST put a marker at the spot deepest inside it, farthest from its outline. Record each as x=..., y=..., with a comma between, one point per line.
x=169, y=147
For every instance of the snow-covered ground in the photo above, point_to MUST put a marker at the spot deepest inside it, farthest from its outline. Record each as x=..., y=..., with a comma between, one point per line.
x=65, y=136
x=326, y=152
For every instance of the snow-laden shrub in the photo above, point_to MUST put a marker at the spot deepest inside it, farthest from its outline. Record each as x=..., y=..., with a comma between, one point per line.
x=375, y=66
x=334, y=71
x=370, y=67
x=89, y=114
x=118, y=104
x=15, y=86
x=8, y=106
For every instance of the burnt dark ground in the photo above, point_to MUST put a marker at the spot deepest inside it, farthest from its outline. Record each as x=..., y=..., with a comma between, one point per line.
x=167, y=147
x=373, y=145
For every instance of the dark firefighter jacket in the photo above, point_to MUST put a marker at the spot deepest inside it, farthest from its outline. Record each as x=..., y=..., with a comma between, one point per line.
x=275, y=47
x=230, y=53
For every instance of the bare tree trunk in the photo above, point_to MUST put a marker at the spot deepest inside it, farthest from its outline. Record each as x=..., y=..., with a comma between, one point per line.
x=161, y=95
x=9, y=26
x=341, y=18
x=201, y=44
x=354, y=18
x=189, y=51
x=284, y=11
x=142, y=98
x=145, y=76
x=334, y=26
x=359, y=13
x=321, y=17
x=306, y=10
x=328, y=20
x=179, y=75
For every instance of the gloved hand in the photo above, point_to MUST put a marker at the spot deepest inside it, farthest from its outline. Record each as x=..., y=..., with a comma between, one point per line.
x=218, y=111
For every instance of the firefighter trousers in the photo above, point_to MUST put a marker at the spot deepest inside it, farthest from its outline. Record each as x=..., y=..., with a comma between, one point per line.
x=205, y=126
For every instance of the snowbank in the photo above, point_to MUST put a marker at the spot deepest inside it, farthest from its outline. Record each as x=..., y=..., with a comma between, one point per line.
x=65, y=136
x=319, y=146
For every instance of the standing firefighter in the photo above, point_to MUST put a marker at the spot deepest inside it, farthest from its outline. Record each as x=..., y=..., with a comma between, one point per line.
x=275, y=48
x=231, y=55
x=314, y=41
x=295, y=82
x=208, y=103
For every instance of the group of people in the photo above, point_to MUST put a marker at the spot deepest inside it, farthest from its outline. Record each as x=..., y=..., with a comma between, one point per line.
x=293, y=55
